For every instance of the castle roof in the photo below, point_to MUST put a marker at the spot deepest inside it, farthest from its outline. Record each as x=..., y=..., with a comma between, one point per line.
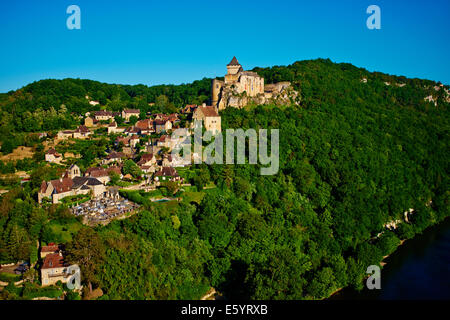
x=250, y=73
x=234, y=62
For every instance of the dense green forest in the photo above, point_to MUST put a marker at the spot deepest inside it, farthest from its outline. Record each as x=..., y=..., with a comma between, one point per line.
x=353, y=156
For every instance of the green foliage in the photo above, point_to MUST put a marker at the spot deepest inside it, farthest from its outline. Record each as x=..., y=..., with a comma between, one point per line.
x=130, y=167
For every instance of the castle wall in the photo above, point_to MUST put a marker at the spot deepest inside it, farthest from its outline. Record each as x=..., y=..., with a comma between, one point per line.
x=216, y=89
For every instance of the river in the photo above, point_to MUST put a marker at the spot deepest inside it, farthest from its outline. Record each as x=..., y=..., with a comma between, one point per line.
x=419, y=269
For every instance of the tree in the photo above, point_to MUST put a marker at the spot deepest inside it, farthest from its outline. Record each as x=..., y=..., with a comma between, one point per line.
x=172, y=187
x=114, y=177
x=130, y=167
x=87, y=250
x=133, y=120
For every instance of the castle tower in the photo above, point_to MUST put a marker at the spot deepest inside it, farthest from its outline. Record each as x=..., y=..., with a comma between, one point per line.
x=234, y=66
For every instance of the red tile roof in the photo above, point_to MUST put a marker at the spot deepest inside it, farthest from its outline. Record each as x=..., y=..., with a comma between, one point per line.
x=43, y=186
x=54, y=260
x=50, y=248
x=145, y=124
x=54, y=152
x=62, y=185
x=167, y=171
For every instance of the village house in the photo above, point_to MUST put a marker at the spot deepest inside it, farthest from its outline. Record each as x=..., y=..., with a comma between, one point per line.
x=52, y=156
x=162, y=125
x=82, y=132
x=54, y=269
x=65, y=134
x=114, y=157
x=101, y=174
x=210, y=118
x=164, y=142
x=145, y=126
x=50, y=249
x=130, y=141
x=166, y=174
x=104, y=115
x=128, y=113
x=132, y=131
x=147, y=163
x=113, y=128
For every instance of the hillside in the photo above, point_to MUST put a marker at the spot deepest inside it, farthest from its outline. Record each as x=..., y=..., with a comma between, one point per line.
x=360, y=150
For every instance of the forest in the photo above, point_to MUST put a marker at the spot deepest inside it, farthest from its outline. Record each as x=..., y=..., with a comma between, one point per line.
x=354, y=156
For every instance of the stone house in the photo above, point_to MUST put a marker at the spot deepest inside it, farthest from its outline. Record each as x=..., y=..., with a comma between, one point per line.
x=104, y=115
x=52, y=156
x=82, y=132
x=162, y=125
x=54, y=269
x=145, y=126
x=166, y=174
x=113, y=128
x=132, y=131
x=50, y=249
x=65, y=134
x=128, y=113
x=101, y=174
x=210, y=118
x=114, y=157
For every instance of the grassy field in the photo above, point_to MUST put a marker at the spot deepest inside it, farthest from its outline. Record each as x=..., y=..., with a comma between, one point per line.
x=65, y=231
x=193, y=196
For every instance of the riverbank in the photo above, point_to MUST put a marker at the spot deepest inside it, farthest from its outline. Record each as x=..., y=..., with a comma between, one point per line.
x=417, y=269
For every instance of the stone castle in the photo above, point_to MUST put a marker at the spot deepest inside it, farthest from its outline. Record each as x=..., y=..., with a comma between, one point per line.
x=240, y=88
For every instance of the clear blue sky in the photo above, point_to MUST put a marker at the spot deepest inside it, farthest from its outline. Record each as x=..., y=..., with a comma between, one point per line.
x=155, y=42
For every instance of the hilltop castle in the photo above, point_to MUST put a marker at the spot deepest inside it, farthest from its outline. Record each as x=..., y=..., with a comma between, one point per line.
x=242, y=87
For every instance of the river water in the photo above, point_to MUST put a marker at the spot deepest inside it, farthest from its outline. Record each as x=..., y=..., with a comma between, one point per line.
x=419, y=269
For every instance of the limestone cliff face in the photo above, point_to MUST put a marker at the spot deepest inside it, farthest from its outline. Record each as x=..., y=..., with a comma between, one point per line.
x=279, y=94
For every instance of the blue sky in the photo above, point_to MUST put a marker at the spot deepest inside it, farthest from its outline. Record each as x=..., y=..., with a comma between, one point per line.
x=156, y=42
